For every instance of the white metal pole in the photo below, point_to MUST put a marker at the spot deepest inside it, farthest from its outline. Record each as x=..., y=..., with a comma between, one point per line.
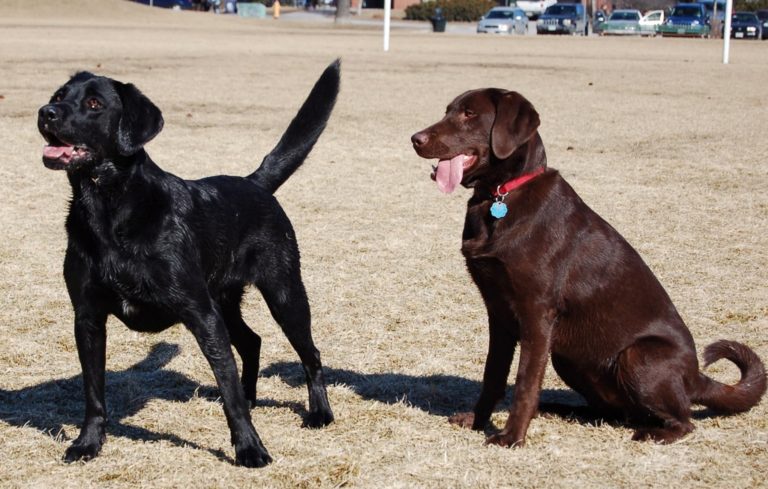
x=387, y=13
x=727, y=31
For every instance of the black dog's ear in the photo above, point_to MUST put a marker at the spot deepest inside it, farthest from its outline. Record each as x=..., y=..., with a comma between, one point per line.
x=82, y=76
x=516, y=122
x=140, y=121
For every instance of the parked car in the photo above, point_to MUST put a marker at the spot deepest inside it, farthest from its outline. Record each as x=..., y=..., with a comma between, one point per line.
x=686, y=20
x=715, y=9
x=746, y=25
x=622, y=22
x=763, y=16
x=172, y=4
x=650, y=22
x=534, y=8
x=503, y=20
x=562, y=18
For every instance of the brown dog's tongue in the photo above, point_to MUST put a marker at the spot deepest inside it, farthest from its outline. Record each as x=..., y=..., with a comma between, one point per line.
x=450, y=172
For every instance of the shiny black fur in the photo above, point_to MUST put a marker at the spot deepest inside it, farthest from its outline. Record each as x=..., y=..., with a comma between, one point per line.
x=154, y=250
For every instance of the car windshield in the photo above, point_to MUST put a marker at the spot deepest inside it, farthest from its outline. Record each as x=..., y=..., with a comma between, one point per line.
x=558, y=9
x=744, y=17
x=500, y=14
x=686, y=11
x=625, y=16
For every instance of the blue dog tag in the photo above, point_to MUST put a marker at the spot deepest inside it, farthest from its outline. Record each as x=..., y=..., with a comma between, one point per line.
x=498, y=209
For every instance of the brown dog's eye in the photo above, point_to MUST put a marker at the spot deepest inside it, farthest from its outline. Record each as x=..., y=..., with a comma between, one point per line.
x=469, y=113
x=93, y=103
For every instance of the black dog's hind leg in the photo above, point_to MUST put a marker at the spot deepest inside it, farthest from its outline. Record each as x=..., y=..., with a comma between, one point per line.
x=287, y=301
x=246, y=342
x=205, y=321
x=91, y=336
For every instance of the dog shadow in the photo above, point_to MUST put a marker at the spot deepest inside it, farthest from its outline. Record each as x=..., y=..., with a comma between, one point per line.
x=438, y=395
x=50, y=406
x=446, y=395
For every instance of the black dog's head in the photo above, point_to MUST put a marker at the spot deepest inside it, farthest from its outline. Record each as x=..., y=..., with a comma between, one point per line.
x=93, y=118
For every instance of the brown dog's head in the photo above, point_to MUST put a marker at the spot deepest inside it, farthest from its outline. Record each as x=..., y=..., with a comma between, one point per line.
x=481, y=129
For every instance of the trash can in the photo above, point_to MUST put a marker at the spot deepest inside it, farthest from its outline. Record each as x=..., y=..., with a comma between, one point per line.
x=438, y=20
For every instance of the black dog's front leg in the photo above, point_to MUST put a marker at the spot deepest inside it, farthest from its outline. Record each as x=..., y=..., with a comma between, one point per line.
x=211, y=334
x=91, y=337
x=90, y=303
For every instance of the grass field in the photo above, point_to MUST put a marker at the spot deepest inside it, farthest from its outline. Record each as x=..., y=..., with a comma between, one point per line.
x=658, y=136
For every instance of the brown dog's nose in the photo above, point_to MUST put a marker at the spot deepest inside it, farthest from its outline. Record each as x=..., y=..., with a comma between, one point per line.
x=419, y=139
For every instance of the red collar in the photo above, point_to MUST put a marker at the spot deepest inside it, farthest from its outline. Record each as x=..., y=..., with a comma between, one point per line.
x=517, y=182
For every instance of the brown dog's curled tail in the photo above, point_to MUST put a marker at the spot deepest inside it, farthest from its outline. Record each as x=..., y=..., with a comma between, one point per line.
x=728, y=399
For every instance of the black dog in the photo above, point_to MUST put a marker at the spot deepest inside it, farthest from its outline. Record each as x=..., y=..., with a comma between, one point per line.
x=155, y=250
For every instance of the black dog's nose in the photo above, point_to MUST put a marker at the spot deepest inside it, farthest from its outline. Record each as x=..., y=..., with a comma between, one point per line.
x=419, y=139
x=48, y=113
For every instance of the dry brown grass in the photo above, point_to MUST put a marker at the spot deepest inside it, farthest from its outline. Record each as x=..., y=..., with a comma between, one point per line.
x=659, y=137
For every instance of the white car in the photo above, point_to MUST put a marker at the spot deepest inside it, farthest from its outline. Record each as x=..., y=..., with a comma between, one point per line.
x=503, y=20
x=651, y=20
x=534, y=8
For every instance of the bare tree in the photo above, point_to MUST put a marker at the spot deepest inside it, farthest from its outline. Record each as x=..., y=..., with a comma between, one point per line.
x=343, y=13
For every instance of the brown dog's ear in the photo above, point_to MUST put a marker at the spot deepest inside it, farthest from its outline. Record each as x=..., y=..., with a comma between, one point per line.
x=140, y=121
x=516, y=122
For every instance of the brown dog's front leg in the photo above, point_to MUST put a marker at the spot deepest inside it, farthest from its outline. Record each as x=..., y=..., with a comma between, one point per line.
x=534, y=352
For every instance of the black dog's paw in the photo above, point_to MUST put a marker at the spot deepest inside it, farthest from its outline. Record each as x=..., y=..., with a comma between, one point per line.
x=318, y=419
x=252, y=457
x=81, y=451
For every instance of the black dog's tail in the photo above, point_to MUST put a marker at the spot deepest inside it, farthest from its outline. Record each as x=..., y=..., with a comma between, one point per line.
x=728, y=399
x=302, y=133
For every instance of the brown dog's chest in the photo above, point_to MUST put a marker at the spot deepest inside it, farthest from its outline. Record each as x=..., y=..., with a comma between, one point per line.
x=485, y=236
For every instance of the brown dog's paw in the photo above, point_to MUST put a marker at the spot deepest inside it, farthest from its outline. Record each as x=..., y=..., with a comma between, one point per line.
x=503, y=440
x=464, y=420
x=663, y=436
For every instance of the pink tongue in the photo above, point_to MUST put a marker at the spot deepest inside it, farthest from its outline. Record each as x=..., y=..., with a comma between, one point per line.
x=56, y=152
x=450, y=172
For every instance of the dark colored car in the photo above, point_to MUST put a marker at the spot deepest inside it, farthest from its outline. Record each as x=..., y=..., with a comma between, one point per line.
x=562, y=18
x=746, y=25
x=174, y=4
x=686, y=19
x=763, y=16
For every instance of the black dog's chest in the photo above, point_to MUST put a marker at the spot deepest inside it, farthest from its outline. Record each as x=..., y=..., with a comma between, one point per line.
x=127, y=275
x=122, y=263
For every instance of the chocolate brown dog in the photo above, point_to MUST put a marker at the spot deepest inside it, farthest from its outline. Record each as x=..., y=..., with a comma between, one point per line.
x=560, y=281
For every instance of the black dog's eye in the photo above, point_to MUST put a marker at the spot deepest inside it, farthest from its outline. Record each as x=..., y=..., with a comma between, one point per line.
x=93, y=103
x=58, y=97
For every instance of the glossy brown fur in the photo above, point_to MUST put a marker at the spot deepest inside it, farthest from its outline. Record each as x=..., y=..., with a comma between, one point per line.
x=559, y=280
